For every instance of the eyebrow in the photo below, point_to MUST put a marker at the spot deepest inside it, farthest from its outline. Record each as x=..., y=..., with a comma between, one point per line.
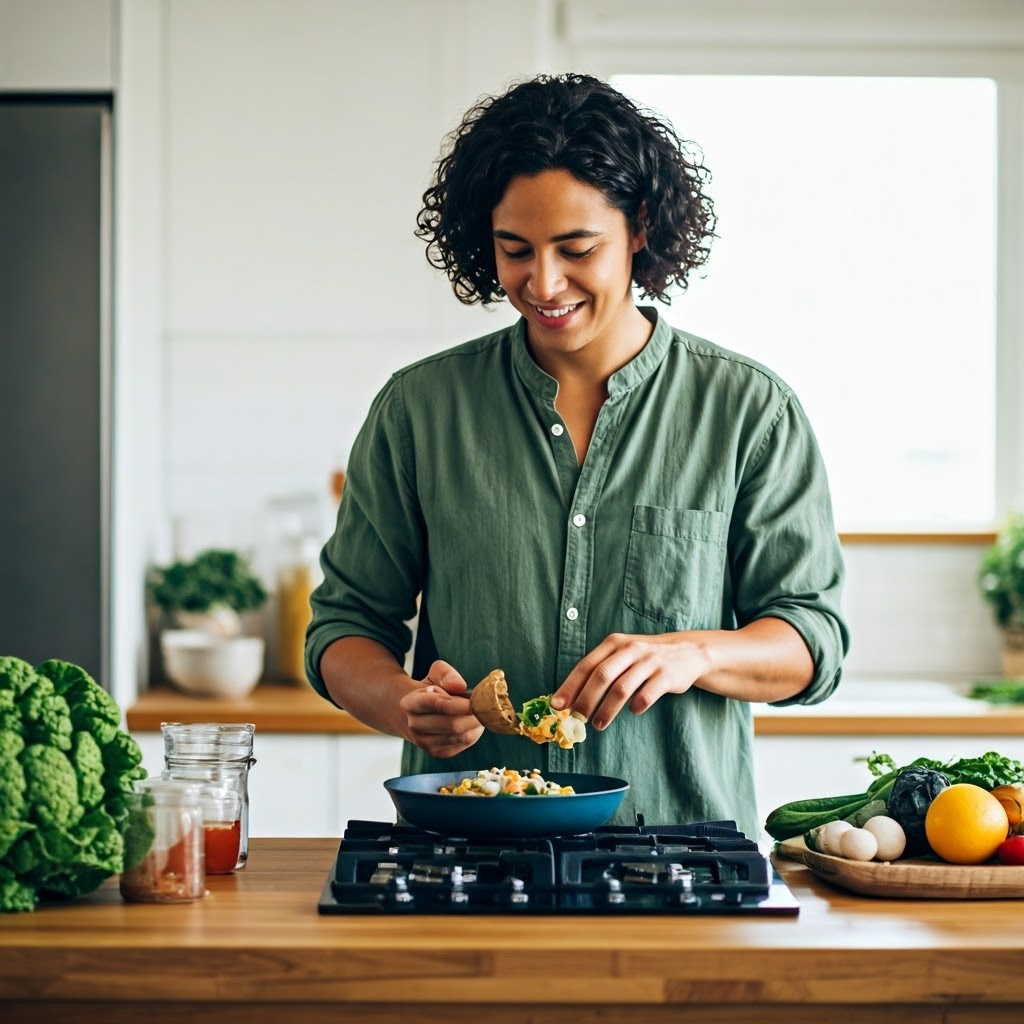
x=568, y=236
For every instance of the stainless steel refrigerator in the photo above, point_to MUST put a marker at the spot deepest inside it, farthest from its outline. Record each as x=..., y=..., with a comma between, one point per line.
x=55, y=185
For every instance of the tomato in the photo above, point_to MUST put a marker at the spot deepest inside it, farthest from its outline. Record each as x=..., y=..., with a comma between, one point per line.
x=1012, y=851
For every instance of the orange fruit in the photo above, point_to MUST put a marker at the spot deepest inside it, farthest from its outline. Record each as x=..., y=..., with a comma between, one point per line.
x=965, y=824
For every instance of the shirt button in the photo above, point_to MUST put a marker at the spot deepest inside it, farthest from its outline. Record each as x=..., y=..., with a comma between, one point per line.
x=572, y=614
x=579, y=519
x=557, y=429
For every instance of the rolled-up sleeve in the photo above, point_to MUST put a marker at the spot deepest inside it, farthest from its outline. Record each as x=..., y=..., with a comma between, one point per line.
x=373, y=563
x=786, y=560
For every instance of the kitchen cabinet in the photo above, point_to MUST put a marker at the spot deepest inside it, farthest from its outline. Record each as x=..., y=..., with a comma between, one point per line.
x=256, y=950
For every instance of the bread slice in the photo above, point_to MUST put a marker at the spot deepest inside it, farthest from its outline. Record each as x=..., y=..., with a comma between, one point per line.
x=489, y=702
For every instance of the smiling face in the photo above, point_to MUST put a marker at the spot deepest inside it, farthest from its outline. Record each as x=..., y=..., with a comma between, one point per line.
x=565, y=259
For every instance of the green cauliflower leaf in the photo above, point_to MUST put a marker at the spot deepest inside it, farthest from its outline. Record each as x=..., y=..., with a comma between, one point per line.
x=66, y=772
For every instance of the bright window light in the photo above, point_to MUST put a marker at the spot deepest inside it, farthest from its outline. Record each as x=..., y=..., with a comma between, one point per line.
x=856, y=258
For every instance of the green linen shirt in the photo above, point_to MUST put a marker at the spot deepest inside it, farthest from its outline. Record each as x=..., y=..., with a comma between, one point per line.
x=702, y=503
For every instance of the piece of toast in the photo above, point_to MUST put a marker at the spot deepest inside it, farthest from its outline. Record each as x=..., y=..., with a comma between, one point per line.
x=489, y=702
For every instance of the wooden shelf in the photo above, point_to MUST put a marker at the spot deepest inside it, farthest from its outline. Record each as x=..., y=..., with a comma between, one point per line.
x=271, y=707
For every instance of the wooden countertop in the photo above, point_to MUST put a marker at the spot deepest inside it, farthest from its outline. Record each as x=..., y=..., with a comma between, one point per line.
x=271, y=707
x=256, y=950
x=939, y=710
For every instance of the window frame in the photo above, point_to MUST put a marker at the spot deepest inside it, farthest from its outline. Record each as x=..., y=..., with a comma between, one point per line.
x=891, y=38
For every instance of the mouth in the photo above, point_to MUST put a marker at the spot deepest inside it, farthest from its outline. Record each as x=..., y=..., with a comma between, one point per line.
x=556, y=316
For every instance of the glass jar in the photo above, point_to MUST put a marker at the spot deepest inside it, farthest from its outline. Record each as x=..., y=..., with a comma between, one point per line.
x=217, y=755
x=222, y=824
x=164, y=858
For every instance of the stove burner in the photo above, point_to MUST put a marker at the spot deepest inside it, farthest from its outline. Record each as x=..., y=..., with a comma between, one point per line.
x=705, y=867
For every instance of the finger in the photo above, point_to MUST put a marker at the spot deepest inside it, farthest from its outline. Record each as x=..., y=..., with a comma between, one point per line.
x=448, y=742
x=646, y=695
x=443, y=725
x=606, y=675
x=620, y=693
x=567, y=694
x=446, y=676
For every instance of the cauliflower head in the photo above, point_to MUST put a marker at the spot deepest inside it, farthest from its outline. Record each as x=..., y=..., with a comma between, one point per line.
x=66, y=770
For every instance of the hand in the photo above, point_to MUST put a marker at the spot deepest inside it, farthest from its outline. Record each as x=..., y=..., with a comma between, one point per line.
x=437, y=714
x=630, y=669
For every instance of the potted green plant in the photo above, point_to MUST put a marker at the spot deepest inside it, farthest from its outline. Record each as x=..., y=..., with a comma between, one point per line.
x=208, y=656
x=209, y=592
x=1001, y=577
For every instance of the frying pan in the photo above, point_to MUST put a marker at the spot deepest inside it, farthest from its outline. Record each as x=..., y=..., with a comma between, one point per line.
x=417, y=800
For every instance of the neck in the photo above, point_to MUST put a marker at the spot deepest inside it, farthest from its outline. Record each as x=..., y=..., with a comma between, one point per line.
x=589, y=368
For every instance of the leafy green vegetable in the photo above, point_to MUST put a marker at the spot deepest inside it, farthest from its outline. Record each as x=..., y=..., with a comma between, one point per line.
x=988, y=770
x=859, y=818
x=912, y=794
x=1000, y=691
x=800, y=816
x=66, y=774
x=213, y=579
x=536, y=709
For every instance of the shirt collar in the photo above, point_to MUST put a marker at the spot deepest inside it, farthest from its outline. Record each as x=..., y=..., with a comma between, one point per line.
x=635, y=372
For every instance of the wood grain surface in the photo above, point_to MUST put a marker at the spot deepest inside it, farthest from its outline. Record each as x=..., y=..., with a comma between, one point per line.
x=913, y=878
x=271, y=707
x=256, y=949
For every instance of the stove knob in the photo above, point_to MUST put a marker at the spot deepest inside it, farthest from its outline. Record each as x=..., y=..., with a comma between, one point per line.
x=398, y=889
x=458, y=893
x=615, y=895
x=518, y=895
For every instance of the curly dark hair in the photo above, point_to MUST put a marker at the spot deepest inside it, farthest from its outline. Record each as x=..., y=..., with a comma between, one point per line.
x=582, y=125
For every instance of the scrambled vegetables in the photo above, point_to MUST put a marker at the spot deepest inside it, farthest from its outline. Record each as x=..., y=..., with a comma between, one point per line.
x=542, y=724
x=507, y=782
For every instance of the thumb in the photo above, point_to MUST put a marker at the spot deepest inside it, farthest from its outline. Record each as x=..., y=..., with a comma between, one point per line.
x=446, y=676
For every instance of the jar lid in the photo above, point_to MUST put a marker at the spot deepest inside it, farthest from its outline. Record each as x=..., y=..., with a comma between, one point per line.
x=205, y=740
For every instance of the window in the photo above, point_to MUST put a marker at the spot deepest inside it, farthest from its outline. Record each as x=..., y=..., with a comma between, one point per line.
x=856, y=256
x=868, y=173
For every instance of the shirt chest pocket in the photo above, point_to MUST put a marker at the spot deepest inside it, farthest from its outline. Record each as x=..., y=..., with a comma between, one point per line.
x=675, y=566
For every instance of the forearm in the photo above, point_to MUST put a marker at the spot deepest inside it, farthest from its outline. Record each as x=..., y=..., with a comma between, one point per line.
x=764, y=661
x=363, y=677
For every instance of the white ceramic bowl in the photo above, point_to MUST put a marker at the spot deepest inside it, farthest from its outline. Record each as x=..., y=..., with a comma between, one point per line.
x=212, y=666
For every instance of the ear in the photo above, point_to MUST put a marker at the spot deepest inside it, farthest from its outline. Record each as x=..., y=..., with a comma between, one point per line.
x=639, y=237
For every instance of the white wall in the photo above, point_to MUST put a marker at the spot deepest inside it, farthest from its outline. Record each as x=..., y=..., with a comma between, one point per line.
x=270, y=160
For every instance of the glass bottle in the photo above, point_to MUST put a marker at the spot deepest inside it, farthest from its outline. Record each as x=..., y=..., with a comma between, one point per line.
x=164, y=858
x=217, y=755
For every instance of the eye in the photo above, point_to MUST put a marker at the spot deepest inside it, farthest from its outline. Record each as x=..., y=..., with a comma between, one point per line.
x=570, y=254
x=519, y=254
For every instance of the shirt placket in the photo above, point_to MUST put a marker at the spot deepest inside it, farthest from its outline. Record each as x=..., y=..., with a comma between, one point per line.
x=585, y=487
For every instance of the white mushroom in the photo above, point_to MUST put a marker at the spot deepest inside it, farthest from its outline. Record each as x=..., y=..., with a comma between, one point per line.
x=829, y=836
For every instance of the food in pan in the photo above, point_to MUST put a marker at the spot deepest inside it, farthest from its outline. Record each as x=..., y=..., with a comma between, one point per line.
x=537, y=721
x=506, y=782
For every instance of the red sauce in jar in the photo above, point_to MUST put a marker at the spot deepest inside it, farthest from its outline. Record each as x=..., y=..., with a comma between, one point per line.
x=221, y=842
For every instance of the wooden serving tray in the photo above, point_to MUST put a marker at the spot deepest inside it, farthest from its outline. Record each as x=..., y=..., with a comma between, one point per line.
x=913, y=878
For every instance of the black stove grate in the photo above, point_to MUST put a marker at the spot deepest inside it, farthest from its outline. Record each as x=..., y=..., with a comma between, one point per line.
x=697, y=868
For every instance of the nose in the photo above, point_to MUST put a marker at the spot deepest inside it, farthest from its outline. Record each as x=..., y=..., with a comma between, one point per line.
x=547, y=279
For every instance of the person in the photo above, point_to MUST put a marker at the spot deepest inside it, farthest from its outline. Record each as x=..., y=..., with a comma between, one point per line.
x=607, y=508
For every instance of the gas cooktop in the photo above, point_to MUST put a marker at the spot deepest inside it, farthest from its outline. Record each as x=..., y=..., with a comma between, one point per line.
x=706, y=867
